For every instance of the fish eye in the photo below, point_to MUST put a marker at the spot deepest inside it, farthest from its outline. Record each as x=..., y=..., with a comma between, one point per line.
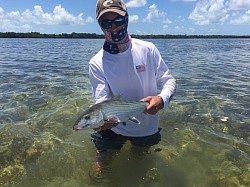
x=87, y=117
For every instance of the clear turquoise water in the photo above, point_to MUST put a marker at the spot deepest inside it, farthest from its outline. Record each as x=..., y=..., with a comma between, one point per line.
x=205, y=130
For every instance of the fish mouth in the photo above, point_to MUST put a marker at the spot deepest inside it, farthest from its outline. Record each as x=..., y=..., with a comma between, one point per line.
x=79, y=128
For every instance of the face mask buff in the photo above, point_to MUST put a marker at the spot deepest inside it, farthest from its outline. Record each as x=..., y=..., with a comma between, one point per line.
x=117, y=42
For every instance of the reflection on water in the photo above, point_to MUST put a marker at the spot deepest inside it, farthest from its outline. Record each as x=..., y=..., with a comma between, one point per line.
x=205, y=131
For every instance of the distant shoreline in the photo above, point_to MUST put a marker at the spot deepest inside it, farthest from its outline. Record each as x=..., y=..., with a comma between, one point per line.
x=101, y=36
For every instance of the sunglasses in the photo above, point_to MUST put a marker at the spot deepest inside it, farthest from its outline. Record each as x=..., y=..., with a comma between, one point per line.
x=118, y=21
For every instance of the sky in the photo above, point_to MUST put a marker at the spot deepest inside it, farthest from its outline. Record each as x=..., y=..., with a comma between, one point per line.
x=190, y=17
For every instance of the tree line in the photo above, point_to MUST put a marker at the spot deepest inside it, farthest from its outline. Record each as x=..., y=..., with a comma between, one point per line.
x=39, y=35
x=96, y=36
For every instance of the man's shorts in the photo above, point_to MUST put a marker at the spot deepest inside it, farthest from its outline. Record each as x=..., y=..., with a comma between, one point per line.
x=109, y=140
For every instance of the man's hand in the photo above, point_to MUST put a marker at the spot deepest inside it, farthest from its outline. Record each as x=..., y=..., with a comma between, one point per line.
x=155, y=104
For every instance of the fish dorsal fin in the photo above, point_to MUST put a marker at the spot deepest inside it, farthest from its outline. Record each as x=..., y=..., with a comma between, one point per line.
x=135, y=120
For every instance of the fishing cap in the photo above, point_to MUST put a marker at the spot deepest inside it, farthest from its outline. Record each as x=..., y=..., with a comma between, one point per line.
x=117, y=6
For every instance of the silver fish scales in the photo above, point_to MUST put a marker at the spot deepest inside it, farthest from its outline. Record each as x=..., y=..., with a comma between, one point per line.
x=110, y=111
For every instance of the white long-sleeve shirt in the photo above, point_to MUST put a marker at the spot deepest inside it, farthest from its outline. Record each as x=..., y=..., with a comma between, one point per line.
x=133, y=75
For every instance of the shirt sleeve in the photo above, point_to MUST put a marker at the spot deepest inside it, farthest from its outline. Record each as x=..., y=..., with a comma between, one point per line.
x=99, y=84
x=165, y=80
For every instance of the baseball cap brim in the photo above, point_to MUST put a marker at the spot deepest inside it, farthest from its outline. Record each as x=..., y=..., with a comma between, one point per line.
x=121, y=12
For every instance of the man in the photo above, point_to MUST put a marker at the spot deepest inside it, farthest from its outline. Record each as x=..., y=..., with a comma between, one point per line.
x=130, y=68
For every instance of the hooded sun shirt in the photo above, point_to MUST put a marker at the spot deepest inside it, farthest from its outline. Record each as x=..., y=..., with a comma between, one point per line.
x=117, y=42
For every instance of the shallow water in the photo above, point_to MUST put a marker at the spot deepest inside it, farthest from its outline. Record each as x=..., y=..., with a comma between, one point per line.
x=205, y=130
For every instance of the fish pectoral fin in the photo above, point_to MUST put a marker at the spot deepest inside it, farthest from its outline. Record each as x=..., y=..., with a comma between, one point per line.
x=135, y=120
x=112, y=119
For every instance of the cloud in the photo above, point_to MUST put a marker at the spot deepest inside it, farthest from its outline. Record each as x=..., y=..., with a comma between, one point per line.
x=185, y=0
x=208, y=12
x=1, y=13
x=242, y=19
x=133, y=18
x=90, y=20
x=179, y=29
x=153, y=12
x=25, y=20
x=61, y=16
x=166, y=23
x=239, y=4
x=136, y=3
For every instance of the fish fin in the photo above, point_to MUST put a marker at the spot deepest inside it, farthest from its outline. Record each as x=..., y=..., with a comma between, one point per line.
x=113, y=119
x=135, y=120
